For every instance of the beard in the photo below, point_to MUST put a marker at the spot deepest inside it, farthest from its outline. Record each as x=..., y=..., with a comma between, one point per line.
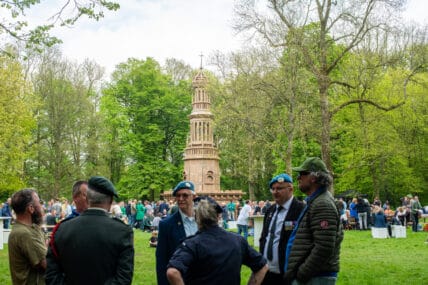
x=304, y=189
x=36, y=218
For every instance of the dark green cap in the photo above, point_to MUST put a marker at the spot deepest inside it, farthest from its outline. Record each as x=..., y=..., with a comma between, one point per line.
x=102, y=185
x=312, y=164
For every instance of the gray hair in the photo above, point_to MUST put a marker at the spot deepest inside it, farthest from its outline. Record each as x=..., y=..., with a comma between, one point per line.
x=97, y=198
x=324, y=179
x=205, y=214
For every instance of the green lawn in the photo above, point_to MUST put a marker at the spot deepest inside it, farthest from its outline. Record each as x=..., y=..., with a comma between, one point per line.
x=364, y=260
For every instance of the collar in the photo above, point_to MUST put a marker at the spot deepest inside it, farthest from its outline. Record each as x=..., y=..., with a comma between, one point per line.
x=315, y=194
x=183, y=215
x=287, y=203
x=99, y=209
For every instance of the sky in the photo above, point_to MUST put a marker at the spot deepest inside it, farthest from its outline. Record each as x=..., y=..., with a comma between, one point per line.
x=181, y=29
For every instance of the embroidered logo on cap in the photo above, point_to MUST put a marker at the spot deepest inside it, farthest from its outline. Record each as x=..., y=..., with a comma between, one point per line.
x=188, y=184
x=281, y=179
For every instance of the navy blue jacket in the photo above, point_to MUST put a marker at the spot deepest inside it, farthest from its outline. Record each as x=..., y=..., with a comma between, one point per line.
x=214, y=256
x=171, y=234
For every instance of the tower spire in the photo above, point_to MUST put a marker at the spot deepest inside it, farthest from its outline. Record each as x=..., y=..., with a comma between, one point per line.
x=201, y=55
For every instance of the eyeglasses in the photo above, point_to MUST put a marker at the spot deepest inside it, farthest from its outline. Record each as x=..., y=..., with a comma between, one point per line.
x=303, y=173
x=184, y=196
x=278, y=189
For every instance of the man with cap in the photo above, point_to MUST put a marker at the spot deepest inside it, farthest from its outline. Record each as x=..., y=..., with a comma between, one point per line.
x=313, y=249
x=174, y=229
x=278, y=223
x=213, y=256
x=92, y=248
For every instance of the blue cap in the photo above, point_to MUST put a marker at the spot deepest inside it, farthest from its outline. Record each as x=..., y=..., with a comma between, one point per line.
x=184, y=185
x=283, y=177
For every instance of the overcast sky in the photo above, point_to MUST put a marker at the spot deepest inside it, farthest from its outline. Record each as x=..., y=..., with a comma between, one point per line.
x=162, y=29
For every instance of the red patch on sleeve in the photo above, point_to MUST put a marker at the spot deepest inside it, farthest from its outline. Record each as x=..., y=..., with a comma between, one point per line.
x=324, y=224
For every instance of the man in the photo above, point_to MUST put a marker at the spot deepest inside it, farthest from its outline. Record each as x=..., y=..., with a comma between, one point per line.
x=278, y=224
x=242, y=221
x=213, y=256
x=174, y=229
x=92, y=248
x=312, y=254
x=231, y=207
x=415, y=207
x=6, y=212
x=51, y=220
x=79, y=198
x=163, y=206
x=260, y=208
x=27, y=248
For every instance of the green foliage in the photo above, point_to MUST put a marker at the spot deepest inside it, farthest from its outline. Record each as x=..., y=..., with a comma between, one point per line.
x=152, y=111
x=68, y=13
x=374, y=151
x=16, y=104
x=66, y=123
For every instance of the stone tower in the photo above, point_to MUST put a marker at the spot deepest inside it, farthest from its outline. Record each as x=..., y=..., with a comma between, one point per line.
x=201, y=159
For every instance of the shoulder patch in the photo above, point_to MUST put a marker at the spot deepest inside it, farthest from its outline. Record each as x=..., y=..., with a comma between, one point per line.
x=324, y=224
x=118, y=220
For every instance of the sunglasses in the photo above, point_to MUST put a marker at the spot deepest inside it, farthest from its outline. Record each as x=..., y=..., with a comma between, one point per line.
x=303, y=173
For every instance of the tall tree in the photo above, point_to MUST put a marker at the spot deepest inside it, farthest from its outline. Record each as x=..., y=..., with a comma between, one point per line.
x=16, y=105
x=154, y=111
x=316, y=28
x=65, y=116
x=249, y=130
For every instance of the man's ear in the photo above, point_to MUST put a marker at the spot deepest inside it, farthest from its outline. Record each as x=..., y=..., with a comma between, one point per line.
x=30, y=208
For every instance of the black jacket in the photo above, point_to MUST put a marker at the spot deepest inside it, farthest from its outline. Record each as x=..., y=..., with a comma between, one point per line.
x=92, y=248
x=293, y=213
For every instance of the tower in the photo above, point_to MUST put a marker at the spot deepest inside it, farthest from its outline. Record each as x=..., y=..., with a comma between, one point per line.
x=201, y=159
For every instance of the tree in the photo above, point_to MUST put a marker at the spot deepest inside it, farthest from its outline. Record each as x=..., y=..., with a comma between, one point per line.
x=153, y=110
x=66, y=125
x=324, y=33
x=16, y=27
x=247, y=128
x=16, y=105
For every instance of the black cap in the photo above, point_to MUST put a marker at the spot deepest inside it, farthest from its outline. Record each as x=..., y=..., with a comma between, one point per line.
x=102, y=185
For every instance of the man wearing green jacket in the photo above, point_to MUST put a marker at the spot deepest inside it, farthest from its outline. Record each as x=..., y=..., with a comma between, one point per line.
x=313, y=249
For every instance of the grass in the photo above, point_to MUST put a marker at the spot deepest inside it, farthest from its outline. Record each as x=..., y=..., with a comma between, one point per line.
x=364, y=260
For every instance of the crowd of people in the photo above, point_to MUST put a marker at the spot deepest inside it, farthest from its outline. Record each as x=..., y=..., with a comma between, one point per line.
x=89, y=240
x=360, y=214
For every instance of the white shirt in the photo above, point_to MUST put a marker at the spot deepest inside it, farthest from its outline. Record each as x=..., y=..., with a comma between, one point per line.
x=244, y=214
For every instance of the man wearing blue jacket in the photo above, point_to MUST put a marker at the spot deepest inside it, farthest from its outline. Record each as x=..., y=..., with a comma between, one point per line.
x=174, y=229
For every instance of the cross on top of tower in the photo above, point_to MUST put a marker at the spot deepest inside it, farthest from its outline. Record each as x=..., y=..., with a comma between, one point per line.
x=201, y=55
